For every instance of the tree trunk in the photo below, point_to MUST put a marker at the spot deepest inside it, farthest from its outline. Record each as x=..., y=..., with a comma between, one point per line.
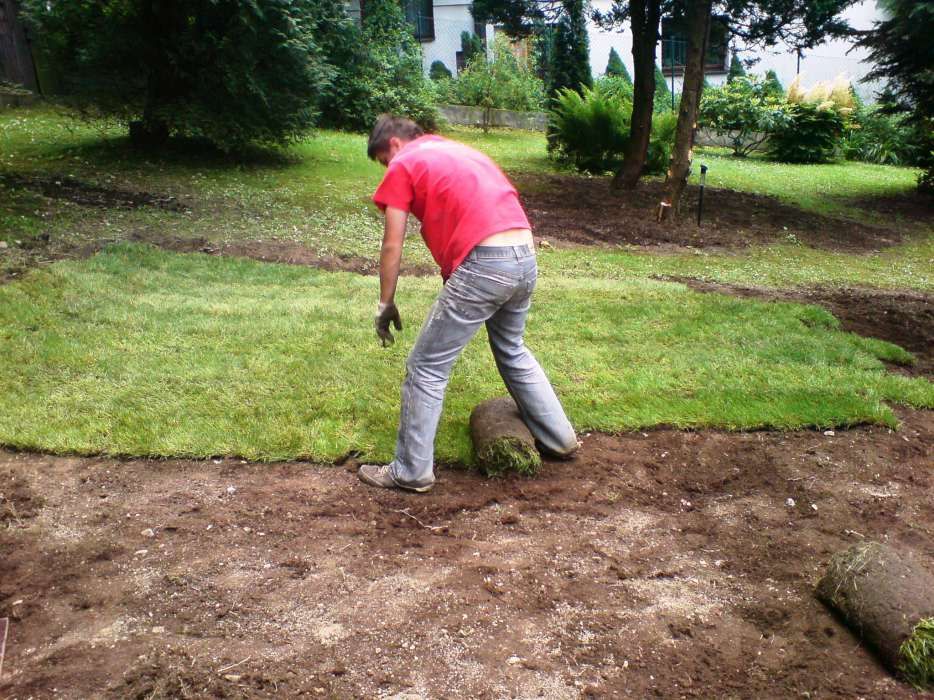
x=698, y=20
x=16, y=64
x=644, y=17
x=151, y=131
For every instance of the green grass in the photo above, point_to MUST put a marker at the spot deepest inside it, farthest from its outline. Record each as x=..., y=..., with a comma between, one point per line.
x=908, y=266
x=826, y=189
x=141, y=352
x=317, y=194
x=917, y=655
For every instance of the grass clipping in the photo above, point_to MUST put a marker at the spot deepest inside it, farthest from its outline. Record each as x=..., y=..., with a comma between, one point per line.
x=502, y=442
x=917, y=655
x=887, y=597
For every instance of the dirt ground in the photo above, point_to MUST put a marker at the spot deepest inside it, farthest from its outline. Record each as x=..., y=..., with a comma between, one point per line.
x=658, y=564
x=572, y=209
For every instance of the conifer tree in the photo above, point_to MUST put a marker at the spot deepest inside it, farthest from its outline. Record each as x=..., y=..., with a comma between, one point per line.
x=773, y=86
x=615, y=68
x=571, y=60
x=471, y=46
x=736, y=68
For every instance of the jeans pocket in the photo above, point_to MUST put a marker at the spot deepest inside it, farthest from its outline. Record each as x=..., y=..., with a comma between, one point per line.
x=505, y=272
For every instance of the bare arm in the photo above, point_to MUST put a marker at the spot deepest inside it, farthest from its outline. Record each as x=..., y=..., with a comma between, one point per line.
x=390, y=256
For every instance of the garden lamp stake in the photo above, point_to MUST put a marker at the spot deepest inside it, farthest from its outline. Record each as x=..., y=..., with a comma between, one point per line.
x=700, y=199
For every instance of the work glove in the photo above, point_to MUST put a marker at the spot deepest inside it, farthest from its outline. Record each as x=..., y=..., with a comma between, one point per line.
x=386, y=314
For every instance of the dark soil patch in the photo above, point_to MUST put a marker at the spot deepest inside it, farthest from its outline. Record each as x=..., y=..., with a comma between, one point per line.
x=657, y=564
x=86, y=194
x=281, y=252
x=914, y=206
x=581, y=210
x=18, y=502
x=903, y=318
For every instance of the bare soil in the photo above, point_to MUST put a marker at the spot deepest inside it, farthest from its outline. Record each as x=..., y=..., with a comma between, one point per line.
x=572, y=209
x=658, y=564
x=61, y=187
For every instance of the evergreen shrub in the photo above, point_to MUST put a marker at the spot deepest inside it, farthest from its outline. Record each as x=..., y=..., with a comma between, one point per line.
x=873, y=136
x=230, y=72
x=592, y=130
x=439, y=71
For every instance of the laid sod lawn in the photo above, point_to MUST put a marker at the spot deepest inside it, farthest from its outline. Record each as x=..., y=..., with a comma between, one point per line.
x=137, y=351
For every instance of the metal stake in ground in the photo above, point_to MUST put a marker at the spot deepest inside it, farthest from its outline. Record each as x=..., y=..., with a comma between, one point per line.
x=700, y=199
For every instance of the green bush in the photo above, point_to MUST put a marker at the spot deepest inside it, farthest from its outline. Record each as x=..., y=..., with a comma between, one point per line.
x=805, y=133
x=592, y=130
x=614, y=86
x=743, y=109
x=230, y=72
x=439, y=71
x=872, y=136
x=380, y=72
x=809, y=129
x=506, y=82
x=662, y=140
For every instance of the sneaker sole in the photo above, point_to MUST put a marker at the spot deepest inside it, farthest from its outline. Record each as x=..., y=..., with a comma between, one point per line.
x=416, y=489
x=379, y=484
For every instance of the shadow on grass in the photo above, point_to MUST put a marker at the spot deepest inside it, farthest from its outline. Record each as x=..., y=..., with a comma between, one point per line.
x=913, y=205
x=179, y=152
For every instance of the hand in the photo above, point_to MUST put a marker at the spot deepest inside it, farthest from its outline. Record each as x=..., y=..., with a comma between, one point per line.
x=386, y=314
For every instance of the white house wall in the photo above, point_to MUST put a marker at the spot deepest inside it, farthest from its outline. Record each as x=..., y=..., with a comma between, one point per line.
x=823, y=62
x=451, y=18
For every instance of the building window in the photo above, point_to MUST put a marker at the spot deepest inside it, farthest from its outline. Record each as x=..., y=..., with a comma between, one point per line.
x=421, y=15
x=675, y=46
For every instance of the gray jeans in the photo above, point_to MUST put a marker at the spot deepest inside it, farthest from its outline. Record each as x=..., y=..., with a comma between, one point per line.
x=493, y=286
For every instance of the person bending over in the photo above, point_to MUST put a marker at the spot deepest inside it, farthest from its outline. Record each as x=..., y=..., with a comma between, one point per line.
x=478, y=233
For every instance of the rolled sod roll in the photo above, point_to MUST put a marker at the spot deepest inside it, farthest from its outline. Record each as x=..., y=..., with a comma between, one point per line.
x=501, y=440
x=887, y=597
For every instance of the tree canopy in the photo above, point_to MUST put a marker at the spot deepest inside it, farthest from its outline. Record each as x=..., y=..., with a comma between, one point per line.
x=230, y=71
x=903, y=53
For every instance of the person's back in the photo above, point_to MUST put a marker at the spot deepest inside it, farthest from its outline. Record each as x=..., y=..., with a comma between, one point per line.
x=458, y=193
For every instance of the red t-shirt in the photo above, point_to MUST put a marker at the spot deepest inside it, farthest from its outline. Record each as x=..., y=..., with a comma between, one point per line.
x=459, y=195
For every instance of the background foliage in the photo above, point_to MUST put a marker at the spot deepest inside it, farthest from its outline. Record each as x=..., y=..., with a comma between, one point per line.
x=380, y=70
x=592, y=129
x=230, y=71
x=505, y=82
x=744, y=109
